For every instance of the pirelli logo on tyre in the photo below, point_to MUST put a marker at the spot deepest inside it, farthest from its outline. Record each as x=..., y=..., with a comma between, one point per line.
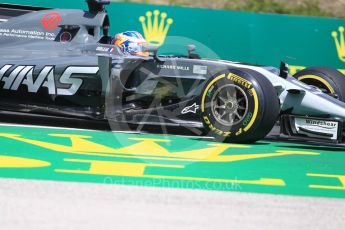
x=239, y=80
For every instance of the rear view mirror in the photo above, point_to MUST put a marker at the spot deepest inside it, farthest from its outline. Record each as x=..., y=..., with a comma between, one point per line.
x=191, y=48
x=153, y=50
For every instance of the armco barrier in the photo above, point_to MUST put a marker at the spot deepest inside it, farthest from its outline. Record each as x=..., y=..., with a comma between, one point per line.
x=250, y=37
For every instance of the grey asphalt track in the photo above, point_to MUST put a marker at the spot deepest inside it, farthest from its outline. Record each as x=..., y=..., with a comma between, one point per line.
x=30, y=204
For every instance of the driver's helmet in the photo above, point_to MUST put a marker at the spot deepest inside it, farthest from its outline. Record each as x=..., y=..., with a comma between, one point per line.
x=131, y=42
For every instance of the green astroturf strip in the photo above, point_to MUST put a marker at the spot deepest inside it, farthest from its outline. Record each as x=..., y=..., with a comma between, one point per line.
x=171, y=161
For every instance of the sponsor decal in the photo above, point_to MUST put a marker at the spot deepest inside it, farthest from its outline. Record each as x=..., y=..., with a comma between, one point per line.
x=339, y=43
x=239, y=80
x=190, y=109
x=105, y=49
x=247, y=119
x=27, y=34
x=199, y=69
x=14, y=77
x=51, y=20
x=322, y=124
x=214, y=129
x=317, y=128
x=155, y=26
x=102, y=49
x=174, y=67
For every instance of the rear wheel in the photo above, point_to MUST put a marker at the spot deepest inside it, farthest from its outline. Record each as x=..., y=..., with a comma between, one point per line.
x=330, y=81
x=239, y=105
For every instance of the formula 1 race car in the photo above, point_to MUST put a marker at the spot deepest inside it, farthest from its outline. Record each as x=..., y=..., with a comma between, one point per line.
x=61, y=63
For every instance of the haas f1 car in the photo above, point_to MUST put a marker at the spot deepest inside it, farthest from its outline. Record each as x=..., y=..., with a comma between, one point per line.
x=61, y=62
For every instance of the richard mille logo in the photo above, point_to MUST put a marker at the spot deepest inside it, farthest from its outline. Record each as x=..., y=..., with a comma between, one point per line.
x=15, y=77
x=174, y=67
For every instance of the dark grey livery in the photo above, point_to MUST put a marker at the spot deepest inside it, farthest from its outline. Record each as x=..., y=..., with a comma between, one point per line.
x=62, y=63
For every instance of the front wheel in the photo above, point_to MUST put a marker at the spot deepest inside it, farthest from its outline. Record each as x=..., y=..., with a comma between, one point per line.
x=329, y=80
x=239, y=105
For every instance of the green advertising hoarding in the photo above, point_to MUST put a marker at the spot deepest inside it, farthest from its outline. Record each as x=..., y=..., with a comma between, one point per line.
x=247, y=37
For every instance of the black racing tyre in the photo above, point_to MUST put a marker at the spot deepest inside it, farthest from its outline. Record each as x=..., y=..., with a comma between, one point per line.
x=239, y=106
x=330, y=81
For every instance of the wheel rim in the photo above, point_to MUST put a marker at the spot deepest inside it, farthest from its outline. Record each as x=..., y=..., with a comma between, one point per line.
x=229, y=105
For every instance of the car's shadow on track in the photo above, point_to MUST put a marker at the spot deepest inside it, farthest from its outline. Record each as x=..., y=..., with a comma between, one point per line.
x=307, y=144
x=316, y=148
x=65, y=122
